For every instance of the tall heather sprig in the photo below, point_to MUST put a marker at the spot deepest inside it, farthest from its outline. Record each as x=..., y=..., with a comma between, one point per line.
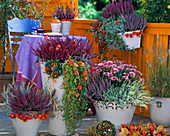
x=61, y=49
x=116, y=9
x=96, y=87
x=134, y=22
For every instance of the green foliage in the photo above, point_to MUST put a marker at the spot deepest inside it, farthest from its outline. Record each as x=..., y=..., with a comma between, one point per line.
x=88, y=11
x=157, y=11
x=53, y=68
x=74, y=99
x=132, y=92
x=158, y=78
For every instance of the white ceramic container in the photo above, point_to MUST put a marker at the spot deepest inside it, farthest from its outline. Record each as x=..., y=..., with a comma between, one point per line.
x=160, y=111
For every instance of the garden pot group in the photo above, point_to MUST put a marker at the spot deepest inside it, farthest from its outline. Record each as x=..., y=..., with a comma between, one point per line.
x=63, y=27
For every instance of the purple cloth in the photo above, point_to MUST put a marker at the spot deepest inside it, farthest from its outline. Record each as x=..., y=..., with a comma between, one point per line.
x=25, y=60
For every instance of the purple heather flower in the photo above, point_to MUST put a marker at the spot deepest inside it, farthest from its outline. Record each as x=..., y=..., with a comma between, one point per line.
x=138, y=72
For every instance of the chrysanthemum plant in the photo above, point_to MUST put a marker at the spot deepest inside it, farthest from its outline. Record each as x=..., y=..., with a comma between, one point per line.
x=114, y=81
x=118, y=18
x=75, y=73
x=26, y=102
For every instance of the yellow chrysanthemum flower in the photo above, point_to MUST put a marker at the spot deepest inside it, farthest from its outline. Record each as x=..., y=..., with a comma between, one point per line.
x=169, y=6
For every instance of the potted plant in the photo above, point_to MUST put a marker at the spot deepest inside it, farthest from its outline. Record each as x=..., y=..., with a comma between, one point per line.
x=52, y=54
x=74, y=106
x=27, y=107
x=65, y=16
x=158, y=79
x=116, y=88
x=121, y=27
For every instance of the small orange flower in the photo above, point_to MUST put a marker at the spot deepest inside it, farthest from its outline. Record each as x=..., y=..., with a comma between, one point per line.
x=104, y=32
x=46, y=69
x=84, y=73
x=117, y=22
x=77, y=95
x=58, y=46
x=85, y=78
x=53, y=65
x=75, y=65
x=80, y=63
x=80, y=87
x=76, y=73
x=70, y=61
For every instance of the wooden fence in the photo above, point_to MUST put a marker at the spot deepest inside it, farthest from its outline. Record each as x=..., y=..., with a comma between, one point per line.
x=137, y=57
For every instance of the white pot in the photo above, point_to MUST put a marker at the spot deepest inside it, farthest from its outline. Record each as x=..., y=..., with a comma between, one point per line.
x=65, y=27
x=133, y=43
x=160, y=111
x=28, y=128
x=111, y=112
x=56, y=124
x=55, y=27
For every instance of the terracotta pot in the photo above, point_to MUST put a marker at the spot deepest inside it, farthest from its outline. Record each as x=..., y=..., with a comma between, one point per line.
x=160, y=111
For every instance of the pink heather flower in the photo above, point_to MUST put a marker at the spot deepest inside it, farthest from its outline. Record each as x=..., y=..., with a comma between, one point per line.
x=99, y=70
x=109, y=62
x=138, y=72
x=106, y=66
x=118, y=80
x=105, y=73
x=134, y=70
x=114, y=65
x=114, y=78
x=109, y=74
x=113, y=73
x=120, y=68
x=142, y=79
x=100, y=65
x=132, y=74
x=128, y=79
x=130, y=65
x=124, y=77
x=134, y=66
x=126, y=74
x=119, y=62
x=115, y=69
x=128, y=69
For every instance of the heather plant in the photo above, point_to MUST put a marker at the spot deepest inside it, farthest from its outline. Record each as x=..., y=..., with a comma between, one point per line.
x=61, y=14
x=96, y=88
x=134, y=22
x=61, y=49
x=115, y=9
x=74, y=100
x=158, y=77
x=26, y=102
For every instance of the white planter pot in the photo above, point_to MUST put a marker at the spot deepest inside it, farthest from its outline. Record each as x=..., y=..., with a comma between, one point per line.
x=28, y=128
x=56, y=125
x=133, y=43
x=55, y=27
x=111, y=112
x=160, y=111
x=65, y=27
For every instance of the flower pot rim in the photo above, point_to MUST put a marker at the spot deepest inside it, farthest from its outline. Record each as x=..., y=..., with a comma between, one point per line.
x=160, y=97
x=110, y=102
